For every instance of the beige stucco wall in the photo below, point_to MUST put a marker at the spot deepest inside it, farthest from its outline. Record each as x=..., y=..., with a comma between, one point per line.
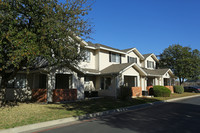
x=104, y=60
x=131, y=72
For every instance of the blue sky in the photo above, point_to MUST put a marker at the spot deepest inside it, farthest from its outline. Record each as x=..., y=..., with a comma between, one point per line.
x=149, y=25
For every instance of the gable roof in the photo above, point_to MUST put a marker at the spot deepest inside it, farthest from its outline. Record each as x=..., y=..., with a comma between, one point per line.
x=151, y=54
x=126, y=50
x=136, y=52
x=157, y=72
x=104, y=47
x=146, y=55
x=118, y=68
x=115, y=68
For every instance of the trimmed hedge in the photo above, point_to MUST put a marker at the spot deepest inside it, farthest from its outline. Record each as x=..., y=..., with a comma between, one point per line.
x=178, y=89
x=161, y=91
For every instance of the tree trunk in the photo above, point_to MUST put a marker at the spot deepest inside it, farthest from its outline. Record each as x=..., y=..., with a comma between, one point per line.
x=180, y=81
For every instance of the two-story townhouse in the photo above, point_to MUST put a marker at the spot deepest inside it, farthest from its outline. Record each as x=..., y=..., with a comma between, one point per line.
x=104, y=69
x=107, y=68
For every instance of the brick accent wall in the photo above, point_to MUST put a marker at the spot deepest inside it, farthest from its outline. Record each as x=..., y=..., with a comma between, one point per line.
x=136, y=91
x=39, y=95
x=171, y=88
x=148, y=87
x=64, y=95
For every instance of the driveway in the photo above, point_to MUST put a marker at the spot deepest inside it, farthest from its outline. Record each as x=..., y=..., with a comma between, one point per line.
x=175, y=117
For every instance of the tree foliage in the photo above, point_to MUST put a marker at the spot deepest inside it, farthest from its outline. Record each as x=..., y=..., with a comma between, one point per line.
x=40, y=28
x=183, y=61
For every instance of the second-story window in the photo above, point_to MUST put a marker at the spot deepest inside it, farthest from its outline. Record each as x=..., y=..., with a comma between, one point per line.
x=87, y=56
x=150, y=64
x=114, y=57
x=132, y=59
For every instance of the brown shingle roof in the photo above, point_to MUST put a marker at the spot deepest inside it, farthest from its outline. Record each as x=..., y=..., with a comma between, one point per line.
x=157, y=72
x=146, y=55
x=115, y=68
x=126, y=50
x=101, y=45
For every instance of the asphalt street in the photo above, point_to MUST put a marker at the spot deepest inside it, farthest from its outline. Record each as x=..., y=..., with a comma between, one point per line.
x=175, y=117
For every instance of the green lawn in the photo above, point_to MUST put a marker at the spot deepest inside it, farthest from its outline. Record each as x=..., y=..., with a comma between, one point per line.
x=175, y=95
x=34, y=112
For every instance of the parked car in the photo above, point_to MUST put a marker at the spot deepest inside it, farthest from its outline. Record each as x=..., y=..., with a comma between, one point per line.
x=195, y=89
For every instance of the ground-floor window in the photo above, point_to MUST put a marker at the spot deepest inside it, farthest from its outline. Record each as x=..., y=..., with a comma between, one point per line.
x=105, y=83
x=42, y=81
x=167, y=82
x=63, y=81
x=150, y=81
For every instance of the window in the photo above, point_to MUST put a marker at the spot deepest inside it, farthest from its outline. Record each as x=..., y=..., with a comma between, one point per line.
x=132, y=59
x=18, y=82
x=105, y=83
x=87, y=56
x=115, y=57
x=63, y=81
x=42, y=81
x=150, y=64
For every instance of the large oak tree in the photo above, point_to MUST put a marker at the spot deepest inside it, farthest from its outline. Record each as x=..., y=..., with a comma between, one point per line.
x=184, y=62
x=40, y=28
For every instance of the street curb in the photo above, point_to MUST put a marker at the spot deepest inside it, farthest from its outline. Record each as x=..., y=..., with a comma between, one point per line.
x=87, y=116
x=181, y=98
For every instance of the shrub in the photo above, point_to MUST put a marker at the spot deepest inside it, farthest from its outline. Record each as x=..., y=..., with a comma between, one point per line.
x=161, y=91
x=178, y=89
x=125, y=93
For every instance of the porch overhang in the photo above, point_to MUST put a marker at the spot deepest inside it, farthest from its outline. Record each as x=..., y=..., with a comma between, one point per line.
x=170, y=73
x=136, y=67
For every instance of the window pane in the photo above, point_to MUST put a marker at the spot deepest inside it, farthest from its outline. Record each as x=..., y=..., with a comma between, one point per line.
x=133, y=60
x=117, y=58
x=113, y=57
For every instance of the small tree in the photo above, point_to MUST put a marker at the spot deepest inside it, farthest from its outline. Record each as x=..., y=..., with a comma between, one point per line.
x=40, y=28
x=183, y=61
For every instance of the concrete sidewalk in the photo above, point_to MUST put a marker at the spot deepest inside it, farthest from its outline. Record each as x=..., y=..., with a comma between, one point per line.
x=87, y=116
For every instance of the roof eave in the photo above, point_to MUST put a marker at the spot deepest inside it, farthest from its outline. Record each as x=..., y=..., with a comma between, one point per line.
x=112, y=50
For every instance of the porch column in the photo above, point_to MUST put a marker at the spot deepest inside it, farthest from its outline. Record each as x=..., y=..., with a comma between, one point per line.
x=78, y=83
x=51, y=81
x=145, y=83
x=136, y=81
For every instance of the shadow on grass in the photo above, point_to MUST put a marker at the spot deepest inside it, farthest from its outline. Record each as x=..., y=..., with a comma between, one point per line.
x=173, y=117
x=98, y=105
